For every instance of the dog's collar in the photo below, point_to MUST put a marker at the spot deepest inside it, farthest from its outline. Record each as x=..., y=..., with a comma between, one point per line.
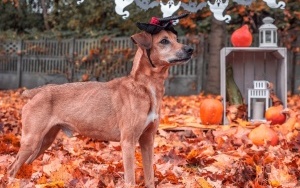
x=148, y=54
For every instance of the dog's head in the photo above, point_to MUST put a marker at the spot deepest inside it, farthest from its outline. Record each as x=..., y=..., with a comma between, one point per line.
x=163, y=48
x=160, y=43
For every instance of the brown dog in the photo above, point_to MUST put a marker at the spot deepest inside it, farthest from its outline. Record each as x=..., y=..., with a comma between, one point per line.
x=125, y=109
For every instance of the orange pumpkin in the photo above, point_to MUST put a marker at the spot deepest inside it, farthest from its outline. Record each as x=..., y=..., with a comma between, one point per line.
x=211, y=111
x=262, y=134
x=241, y=37
x=275, y=115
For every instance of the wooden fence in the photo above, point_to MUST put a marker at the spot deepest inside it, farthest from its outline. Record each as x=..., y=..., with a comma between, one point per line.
x=32, y=63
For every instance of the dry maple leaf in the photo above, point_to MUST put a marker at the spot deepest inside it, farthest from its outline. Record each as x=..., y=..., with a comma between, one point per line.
x=203, y=183
x=281, y=177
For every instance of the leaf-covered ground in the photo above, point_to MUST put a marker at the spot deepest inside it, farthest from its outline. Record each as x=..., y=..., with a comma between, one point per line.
x=187, y=156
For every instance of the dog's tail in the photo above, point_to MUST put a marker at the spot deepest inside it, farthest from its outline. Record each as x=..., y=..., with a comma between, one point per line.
x=30, y=93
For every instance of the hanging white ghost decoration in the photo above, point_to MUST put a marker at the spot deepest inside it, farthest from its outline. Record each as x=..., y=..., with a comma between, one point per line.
x=273, y=4
x=169, y=9
x=244, y=2
x=218, y=8
x=145, y=4
x=193, y=7
x=120, y=5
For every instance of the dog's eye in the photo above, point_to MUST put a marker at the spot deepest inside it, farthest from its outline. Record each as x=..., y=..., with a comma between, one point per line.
x=164, y=41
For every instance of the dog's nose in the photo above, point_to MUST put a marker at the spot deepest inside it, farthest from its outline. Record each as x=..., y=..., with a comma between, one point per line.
x=188, y=49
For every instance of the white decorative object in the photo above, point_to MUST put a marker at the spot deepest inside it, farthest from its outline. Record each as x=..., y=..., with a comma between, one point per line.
x=193, y=7
x=255, y=64
x=261, y=92
x=218, y=8
x=169, y=9
x=268, y=33
x=120, y=5
x=273, y=4
x=145, y=4
x=261, y=84
x=244, y=2
x=258, y=110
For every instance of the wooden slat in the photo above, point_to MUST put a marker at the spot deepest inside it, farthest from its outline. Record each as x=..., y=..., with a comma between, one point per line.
x=259, y=66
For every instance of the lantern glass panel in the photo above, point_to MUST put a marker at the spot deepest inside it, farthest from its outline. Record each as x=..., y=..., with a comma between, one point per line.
x=268, y=37
x=275, y=36
x=261, y=37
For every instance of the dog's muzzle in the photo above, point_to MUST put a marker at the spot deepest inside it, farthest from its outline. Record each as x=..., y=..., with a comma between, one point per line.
x=183, y=55
x=188, y=49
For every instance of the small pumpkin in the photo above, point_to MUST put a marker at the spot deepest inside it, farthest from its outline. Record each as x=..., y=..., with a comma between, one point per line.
x=241, y=37
x=275, y=115
x=262, y=134
x=211, y=111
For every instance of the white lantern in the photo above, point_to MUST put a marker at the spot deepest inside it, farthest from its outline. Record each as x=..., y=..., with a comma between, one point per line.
x=258, y=99
x=268, y=33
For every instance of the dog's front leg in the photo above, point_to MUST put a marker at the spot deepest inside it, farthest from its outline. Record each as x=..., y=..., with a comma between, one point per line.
x=128, y=150
x=146, y=142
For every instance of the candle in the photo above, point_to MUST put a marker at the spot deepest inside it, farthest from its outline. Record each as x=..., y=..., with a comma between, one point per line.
x=258, y=110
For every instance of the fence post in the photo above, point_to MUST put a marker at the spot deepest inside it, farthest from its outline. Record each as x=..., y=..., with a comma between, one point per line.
x=70, y=67
x=200, y=64
x=19, y=63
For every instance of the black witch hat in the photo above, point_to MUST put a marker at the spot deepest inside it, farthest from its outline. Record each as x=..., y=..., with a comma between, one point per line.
x=158, y=24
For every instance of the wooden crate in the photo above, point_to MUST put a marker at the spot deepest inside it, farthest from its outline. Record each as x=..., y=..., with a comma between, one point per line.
x=252, y=63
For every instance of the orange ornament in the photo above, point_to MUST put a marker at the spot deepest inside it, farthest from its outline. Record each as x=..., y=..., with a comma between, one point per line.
x=241, y=37
x=211, y=111
x=262, y=134
x=275, y=115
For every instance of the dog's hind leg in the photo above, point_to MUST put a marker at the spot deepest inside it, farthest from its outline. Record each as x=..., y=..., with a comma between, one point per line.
x=32, y=145
x=21, y=157
x=47, y=141
x=29, y=145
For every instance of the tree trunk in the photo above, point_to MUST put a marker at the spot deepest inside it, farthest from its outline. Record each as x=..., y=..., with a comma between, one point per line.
x=45, y=15
x=216, y=43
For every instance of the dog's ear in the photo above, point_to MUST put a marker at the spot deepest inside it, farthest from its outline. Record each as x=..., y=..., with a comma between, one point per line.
x=143, y=40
